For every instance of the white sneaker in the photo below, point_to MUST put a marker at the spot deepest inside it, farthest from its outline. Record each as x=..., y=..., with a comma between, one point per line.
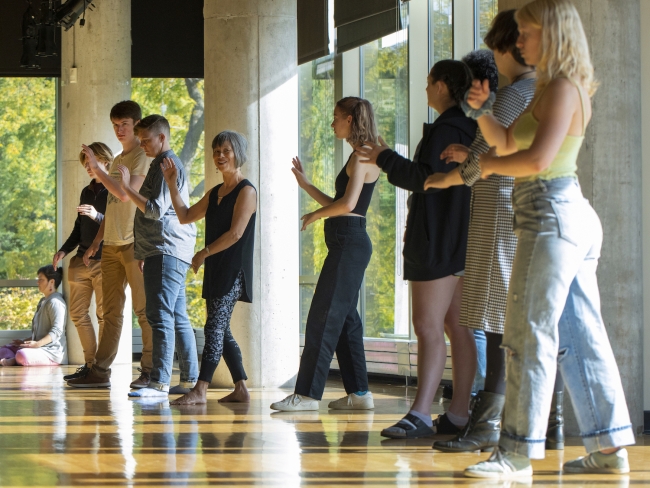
x=295, y=403
x=353, y=402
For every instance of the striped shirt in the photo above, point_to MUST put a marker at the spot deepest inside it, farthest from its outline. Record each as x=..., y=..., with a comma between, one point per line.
x=491, y=242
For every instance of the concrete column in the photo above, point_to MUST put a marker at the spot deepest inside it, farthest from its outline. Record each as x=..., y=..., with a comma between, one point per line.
x=101, y=53
x=251, y=86
x=610, y=176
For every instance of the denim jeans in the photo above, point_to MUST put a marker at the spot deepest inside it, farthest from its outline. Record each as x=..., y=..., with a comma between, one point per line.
x=481, y=360
x=553, y=320
x=164, y=287
x=333, y=323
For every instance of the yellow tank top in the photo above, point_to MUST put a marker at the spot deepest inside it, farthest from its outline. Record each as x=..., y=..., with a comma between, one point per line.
x=566, y=162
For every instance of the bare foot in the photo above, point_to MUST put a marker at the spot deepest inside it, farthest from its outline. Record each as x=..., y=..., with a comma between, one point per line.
x=8, y=362
x=194, y=397
x=239, y=395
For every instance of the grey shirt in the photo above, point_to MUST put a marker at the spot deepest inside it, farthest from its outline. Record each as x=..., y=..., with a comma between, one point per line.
x=50, y=319
x=157, y=229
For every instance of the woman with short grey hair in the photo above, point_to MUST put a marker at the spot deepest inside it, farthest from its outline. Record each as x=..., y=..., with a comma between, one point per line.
x=229, y=212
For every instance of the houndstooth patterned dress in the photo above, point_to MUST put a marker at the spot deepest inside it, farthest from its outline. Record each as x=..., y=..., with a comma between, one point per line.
x=491, y=242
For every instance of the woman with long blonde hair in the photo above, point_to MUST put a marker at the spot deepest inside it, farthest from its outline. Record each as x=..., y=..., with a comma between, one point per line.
x=553, y=299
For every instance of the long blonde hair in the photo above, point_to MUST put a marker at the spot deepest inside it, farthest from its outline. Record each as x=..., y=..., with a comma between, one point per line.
x=565, y=52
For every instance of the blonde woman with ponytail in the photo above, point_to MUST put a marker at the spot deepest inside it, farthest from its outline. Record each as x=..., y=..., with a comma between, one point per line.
x=553, y=298
x=333, y=323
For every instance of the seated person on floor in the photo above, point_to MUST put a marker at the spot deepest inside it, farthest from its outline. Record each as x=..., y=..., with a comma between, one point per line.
x=47, y=344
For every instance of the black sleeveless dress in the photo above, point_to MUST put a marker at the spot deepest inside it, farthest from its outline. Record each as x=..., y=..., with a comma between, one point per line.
x=221, y=269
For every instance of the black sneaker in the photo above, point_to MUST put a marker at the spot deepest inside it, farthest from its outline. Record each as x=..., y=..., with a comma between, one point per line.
x=80, y=373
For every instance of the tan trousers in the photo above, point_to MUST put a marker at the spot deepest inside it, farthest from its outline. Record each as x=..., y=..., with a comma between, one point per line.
x=83, y=280
x=120, y=267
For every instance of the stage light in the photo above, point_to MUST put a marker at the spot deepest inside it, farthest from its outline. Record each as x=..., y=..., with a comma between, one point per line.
x=47, y=30
x=30, y=40
x=68, y=13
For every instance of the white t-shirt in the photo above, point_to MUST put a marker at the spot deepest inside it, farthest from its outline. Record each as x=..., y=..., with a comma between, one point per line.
x=118, y=221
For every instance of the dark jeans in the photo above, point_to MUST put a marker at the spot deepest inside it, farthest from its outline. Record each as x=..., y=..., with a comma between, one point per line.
x=333, y=323
x=164, y=287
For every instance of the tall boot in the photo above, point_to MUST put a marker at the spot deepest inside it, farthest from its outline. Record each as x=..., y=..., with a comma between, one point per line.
x=483, y=429
x=555, y=430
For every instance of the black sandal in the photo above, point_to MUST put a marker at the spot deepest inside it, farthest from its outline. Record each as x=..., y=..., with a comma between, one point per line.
x=404, y=429
x=444, y=426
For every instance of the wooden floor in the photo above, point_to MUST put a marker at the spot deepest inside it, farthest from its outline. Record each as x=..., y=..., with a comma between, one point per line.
x=54, y=436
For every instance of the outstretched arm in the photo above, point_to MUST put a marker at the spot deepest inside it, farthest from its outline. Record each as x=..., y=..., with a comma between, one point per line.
x=349, y=200
x=555, y=116
x=185, y=215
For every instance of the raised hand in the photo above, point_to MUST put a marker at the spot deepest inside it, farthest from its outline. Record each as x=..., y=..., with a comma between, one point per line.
x=126, y=176
x=369, y=152
x=170, y=173
x=88, y=211
x=478, y=93
x=57, y=257
x=299, y=173
x=455, y=153
x=91, y=159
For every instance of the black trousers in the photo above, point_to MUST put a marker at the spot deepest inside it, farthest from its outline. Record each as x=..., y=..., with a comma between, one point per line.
x=333, y=323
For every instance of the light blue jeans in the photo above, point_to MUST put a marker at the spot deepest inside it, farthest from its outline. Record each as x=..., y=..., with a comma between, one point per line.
x=553, y=320
x=164, y=287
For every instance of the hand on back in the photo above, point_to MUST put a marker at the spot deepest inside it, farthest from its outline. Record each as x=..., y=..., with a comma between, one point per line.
x=455, y=153
x=369, y=152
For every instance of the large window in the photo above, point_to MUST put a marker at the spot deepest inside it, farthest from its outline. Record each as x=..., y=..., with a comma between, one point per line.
x=317, y=149
x=383, y=78
x=385, y=82
x=27, y=193
x=180, y=100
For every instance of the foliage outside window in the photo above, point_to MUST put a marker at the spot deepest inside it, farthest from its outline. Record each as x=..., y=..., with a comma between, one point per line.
x=317, y=144
x=180, y=100
x=384, y=83
x=486, y=11
x=27, y=191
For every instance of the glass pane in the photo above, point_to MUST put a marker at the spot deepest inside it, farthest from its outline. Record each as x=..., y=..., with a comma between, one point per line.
x=486, y=11
x=17, y=308
x=441, y=29
x=180, y=100
x=317, y=142
x=385, y=84
x=28, y=181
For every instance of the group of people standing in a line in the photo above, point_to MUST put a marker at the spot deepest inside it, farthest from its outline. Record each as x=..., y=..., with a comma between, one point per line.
x=533, y=292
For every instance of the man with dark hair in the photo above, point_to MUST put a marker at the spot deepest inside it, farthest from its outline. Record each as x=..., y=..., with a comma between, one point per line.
x=119, y=266
x=167, y=248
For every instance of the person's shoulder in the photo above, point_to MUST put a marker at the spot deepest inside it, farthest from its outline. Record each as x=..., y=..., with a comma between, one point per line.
x=247, y=185
x=55, y=301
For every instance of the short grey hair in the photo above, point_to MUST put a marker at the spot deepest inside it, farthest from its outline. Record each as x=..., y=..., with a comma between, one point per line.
x=237, y=141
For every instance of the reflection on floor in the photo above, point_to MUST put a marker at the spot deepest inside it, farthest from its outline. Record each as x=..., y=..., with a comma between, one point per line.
x=53, y=436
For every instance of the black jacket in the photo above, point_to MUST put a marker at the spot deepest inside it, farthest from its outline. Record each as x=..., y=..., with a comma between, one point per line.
x=435, y=242
x=85, y=229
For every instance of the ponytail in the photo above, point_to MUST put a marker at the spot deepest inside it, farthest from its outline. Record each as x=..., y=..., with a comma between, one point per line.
x=363, y=127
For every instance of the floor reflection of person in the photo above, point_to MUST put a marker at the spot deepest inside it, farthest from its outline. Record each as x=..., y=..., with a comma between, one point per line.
x=229, y=210
x=47, y=344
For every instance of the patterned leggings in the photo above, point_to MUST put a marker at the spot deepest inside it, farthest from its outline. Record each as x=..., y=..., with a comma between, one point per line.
x=218, y=336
